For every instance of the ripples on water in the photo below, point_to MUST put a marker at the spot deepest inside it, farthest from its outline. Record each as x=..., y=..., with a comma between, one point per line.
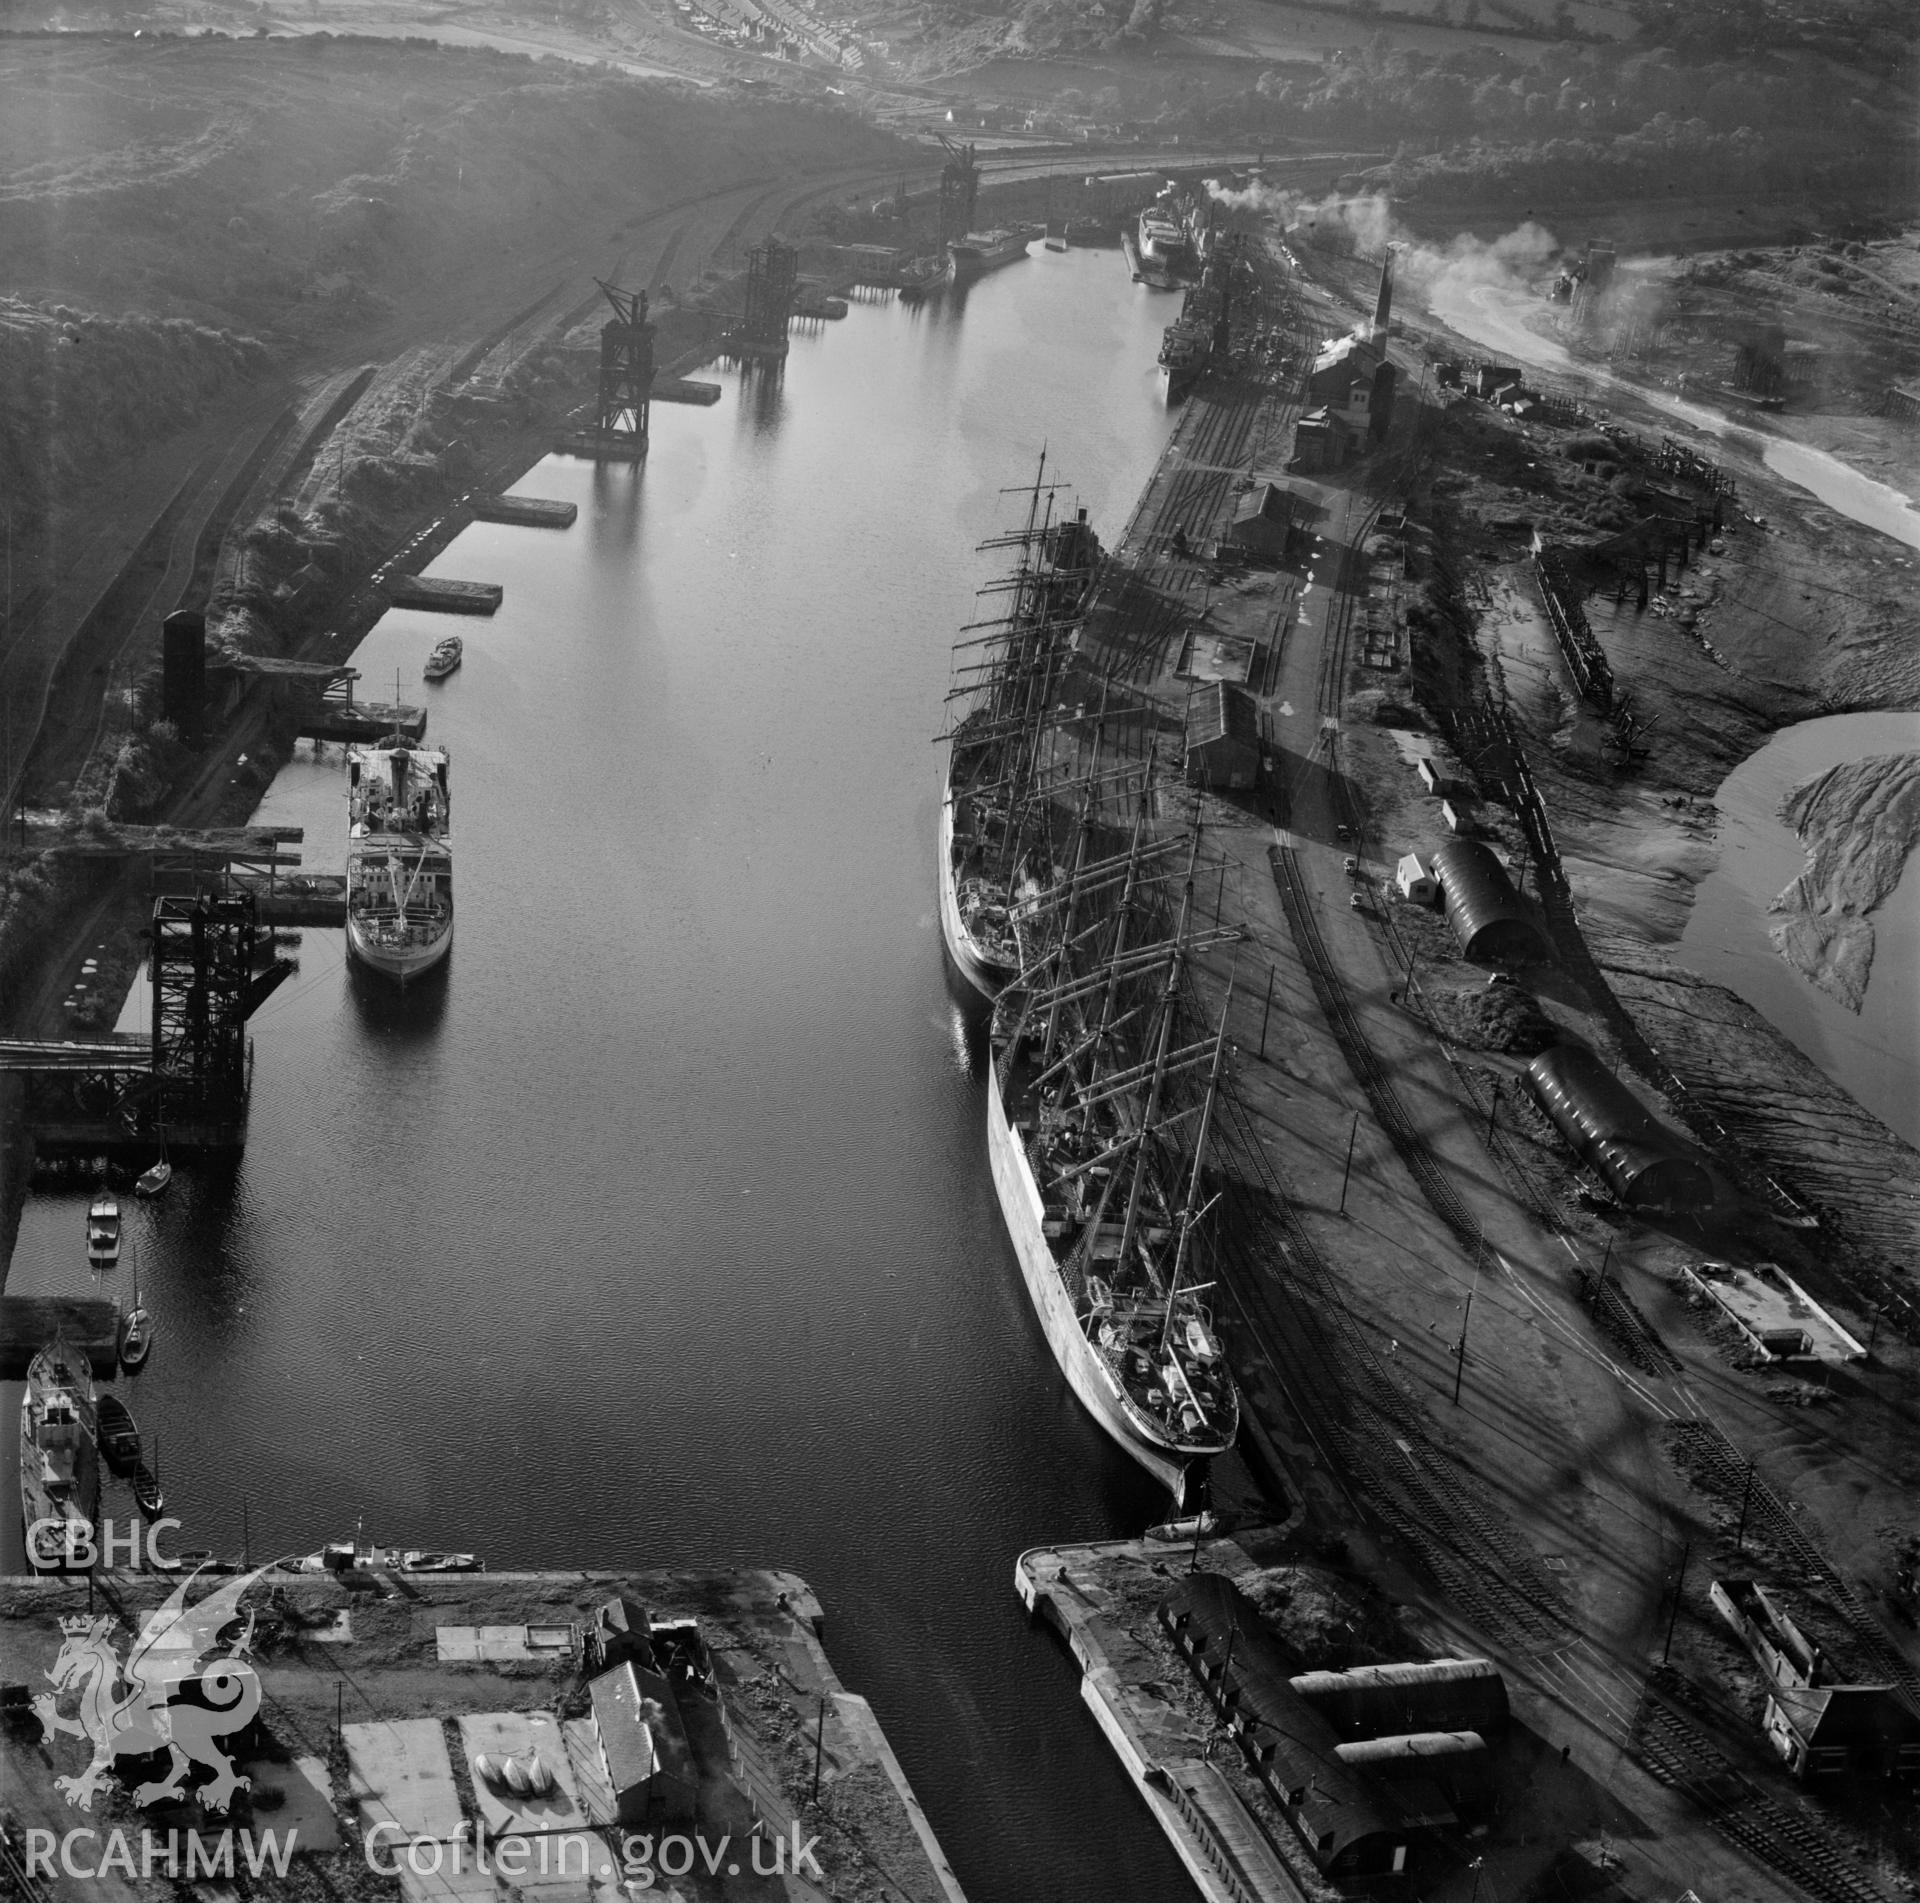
x=657, y=1228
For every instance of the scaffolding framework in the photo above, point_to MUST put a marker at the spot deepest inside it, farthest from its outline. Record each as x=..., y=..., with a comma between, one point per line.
x=773, y=282
x=212, y=967
x=626, y=374
x=959, y=187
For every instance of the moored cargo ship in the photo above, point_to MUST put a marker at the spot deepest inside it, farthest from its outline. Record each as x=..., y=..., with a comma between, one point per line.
x=1168, y=244
x=399, y=858
x=982, y=251
x=1184, y=352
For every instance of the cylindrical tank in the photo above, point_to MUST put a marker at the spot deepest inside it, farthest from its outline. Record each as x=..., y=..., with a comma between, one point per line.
x=1411, y=1747
x=1373, y=1701
x=183, y=671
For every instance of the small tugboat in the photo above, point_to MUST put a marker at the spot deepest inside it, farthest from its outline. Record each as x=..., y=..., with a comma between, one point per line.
x=59, y=1468
x=103, y=1231
x=116, y=1436
x=445, y=657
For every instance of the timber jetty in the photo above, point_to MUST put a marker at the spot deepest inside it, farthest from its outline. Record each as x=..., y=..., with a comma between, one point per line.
x=526, y=512
x=441, y=596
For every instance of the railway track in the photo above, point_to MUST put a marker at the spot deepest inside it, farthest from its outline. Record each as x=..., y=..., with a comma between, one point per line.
x=1681, y=1756
x=1144, y=597
x=192, y=532
x=1714, y=1464
x=1370, y=1434
x=1330, y=989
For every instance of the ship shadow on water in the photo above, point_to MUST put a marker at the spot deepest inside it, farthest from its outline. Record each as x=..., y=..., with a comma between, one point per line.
x=617, y=496
x=403, y=1013
x=763, y=383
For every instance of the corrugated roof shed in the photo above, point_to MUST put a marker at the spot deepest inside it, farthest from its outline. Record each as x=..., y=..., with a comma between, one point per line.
x=1488, y=916
x=1264, y=502
x=1347, y=1820
x=1642, y=1162
x=1223, y=737
x=1371, y=1701
x=626, y=1737
x=1222, y=712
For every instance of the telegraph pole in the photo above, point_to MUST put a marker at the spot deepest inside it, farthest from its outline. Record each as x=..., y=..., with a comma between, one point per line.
x=1460, y=1353
x=1673, y=1618
x=1347, y=1173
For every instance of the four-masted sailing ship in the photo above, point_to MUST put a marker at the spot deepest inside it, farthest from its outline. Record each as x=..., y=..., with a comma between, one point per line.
x=1062, y=905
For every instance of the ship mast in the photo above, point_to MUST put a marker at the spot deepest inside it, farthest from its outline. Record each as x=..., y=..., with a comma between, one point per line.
x=1187, y=1215
x=1145, y=1134
x=1064, y=940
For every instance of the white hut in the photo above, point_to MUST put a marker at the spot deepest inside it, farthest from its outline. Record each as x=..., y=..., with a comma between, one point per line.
x=1415, y=879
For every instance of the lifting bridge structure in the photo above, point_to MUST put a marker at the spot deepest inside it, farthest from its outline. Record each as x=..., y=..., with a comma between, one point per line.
x=184, y=1082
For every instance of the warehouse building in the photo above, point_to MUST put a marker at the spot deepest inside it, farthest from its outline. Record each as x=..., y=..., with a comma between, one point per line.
x=1610, y=1129
x=1489, y=918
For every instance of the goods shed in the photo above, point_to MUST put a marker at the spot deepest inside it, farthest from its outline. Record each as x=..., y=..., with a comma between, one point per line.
x=1263, y=523
x=1422, y=1695
x=1639, y=1159
x=1351, y=1823
x=1223, y=738
x=1489, y=918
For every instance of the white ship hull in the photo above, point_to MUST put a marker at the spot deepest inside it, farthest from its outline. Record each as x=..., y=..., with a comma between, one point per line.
x=1087, y=1374
x=968, y=259
x=400, y=962
x=986, y=975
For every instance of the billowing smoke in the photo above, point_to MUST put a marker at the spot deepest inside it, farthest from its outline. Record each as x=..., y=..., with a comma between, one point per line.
x=1366, y=224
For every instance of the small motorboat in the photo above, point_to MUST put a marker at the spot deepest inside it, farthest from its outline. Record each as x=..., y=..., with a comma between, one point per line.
x=147, y=1495
x=136, y=1327
x=412, y=1561
x=103, y=1231
x=196, y=1559
x=446, y=656
x=116, y=1436
x=152, y=1182
x=362, y=1556
x=136, y=1336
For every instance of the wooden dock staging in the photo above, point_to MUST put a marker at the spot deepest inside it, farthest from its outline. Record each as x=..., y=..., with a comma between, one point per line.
x=440, y=596
x=527, y=512
x=366, y=720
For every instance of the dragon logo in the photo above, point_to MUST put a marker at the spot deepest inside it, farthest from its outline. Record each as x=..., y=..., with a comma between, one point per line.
x=163, y=1699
